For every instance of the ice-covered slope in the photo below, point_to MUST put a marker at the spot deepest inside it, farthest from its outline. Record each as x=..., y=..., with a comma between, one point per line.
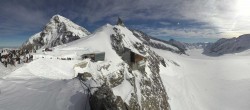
x=7, y=70
x=42, y=85
x=4, y=70
x=225, y=46
x=42, y=94
x=46, y=69
x=200, y=82
x=59, y=30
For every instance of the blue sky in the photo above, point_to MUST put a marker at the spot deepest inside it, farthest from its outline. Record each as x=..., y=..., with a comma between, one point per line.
x=184, y=20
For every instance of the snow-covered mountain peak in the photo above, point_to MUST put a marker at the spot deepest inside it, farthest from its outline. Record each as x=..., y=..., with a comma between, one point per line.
x=59, y=30
x=59, y=18
x=101, y=40
x=60, y=23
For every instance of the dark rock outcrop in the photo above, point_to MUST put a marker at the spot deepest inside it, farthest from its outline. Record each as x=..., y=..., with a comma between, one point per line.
x=120, y=22
x=152, y=92
x=104, y=99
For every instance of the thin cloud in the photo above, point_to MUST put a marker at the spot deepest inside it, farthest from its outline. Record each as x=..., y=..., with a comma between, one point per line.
x=182, y=32
x=165, y=23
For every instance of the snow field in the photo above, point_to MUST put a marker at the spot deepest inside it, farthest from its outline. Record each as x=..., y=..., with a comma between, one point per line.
x=207, y=83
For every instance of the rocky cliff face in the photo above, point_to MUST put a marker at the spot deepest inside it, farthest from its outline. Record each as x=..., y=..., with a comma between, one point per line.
x=104, y=99
x=128, y=87
x=58, y=31
x=225, y=46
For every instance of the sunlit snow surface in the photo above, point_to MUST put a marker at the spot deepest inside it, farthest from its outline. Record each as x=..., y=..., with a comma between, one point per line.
x=42, y=94
x=23, y=90
x=44, y=84
x=207, y=83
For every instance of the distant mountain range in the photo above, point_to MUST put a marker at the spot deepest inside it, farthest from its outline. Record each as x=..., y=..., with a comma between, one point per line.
x=226, y=46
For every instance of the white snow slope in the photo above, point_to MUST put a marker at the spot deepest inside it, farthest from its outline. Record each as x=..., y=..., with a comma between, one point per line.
x=207, y=83
x=42, y=85
x=42, y=94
